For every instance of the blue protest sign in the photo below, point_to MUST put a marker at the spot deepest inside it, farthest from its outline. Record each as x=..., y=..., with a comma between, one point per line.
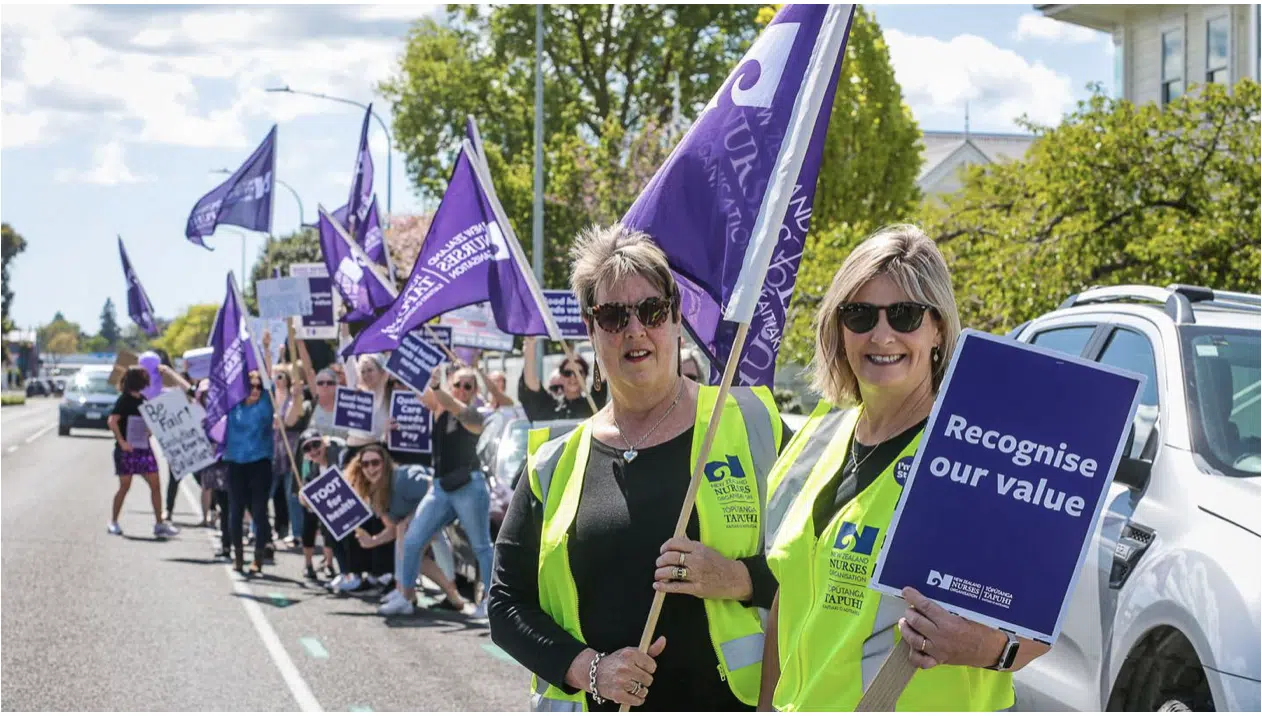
x=336, y=503
x=564, y=307
x=416, y=358
x=1005, y=492
x=415, y=433
x=352, y=409
x=321, y=324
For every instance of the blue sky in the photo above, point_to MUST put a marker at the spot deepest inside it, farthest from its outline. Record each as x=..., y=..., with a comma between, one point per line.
x=113, y=117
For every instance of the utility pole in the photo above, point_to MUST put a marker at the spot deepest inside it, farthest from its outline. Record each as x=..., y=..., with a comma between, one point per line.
x=537, y=238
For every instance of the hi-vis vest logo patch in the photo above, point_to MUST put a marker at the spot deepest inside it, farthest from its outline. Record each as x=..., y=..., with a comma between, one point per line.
x=850, y=567
x=737, y=500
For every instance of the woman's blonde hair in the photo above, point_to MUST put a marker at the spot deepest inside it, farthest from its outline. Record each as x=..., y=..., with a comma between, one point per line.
x=605, y=256
x=377, y=496
x=913, y=262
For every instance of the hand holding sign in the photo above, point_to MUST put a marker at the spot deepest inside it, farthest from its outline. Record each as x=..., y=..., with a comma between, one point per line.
x=938, y=637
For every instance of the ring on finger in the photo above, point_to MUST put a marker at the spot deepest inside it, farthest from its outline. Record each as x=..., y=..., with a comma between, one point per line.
x=681, y=558
x=924, y=644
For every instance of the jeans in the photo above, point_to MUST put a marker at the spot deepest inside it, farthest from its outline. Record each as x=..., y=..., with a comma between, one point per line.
x=250, y=484
x=470, y=504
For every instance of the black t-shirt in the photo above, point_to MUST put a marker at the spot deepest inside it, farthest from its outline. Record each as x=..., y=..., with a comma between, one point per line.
x=127, y=408
x=626, y=511
x=849, y=482
x=541, y=405
x=455, y=448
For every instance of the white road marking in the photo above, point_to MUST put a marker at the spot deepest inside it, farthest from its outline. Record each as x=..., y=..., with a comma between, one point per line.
x=293, y=678
x=39, y=433
x=12, y=448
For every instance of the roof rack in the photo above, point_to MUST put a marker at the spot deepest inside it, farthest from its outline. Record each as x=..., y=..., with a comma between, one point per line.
x=1177, y=299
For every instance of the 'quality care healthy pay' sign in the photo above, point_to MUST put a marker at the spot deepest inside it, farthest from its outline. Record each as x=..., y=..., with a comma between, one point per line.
x=1004, y=494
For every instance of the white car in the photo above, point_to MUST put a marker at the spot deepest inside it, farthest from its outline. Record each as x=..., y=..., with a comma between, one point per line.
x=1165, y=615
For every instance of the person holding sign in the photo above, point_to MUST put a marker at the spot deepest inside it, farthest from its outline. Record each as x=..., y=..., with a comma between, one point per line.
x=248, y=452
x=132, y=454
x=884, y=333
x=571, y=405
x=587, y=538
x=371, y=377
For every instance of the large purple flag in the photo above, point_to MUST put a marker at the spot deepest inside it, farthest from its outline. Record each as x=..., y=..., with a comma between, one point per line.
x=138, y=306
x=366, y=293
x=732, y=204
x=244, y=200
x=370, y=237
x=469, y=255
x=232, y=359
x=361, y=186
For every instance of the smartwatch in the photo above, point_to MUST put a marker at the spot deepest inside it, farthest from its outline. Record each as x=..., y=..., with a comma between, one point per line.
x=1008, y=656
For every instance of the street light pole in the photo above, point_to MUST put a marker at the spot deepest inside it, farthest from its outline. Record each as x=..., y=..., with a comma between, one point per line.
x=302, y=217
x=537, y=238
x=389, y=138
x=243, y=236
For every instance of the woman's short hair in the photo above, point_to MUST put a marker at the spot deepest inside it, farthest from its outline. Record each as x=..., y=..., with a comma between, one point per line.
x=135, y=379
x=605, y=256
x=913, y=262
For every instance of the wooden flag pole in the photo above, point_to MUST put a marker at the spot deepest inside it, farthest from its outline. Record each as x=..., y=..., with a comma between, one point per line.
x=890, y=680
x=570, y=355
x=450, y=353
x=690, y=499
x=284, y=434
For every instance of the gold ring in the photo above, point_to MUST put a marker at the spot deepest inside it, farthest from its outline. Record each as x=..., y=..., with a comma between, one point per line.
x=677, y=574
x=681, y=558
x=635, y=688
x=683, y=574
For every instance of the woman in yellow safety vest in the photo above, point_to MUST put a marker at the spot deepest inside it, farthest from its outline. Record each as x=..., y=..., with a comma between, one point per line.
x=587, y=539
x=884, y=333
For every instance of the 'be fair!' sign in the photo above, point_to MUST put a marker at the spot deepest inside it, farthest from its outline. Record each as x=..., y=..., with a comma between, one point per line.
x=1003, y=496
x=177, y=424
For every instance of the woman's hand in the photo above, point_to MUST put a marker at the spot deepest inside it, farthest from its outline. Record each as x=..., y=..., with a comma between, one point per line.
x=938, y=637
x=436, y=376
x=302, y=500
x=702, y=572
x=267, y=339
x=623, y=677
x=392, y=424
x=126, y=446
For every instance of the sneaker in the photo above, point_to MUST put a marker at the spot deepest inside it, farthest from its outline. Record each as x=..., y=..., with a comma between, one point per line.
x=448, y=605
x=162, y=529
x=348, y=583
x=310, y=574
x=334, y=584
x=113, y=528
x=479, y=612
x=396, y=608
x=223, y=555
x=391, y=596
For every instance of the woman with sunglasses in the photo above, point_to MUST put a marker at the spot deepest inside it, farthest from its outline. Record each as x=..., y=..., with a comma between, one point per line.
x=326, y=383
x=565, y=404
x=293, y=416
x=588, y=537
x=884, y=333
x=317, y=453
x=248, y=446
x=371, y=376
x=369, y=552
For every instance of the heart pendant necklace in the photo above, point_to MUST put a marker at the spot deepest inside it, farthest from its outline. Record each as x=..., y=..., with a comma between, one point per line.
x=631, y=452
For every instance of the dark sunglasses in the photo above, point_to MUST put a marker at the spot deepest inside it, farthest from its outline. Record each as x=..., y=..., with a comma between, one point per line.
x=465, y=386
x=652, y=312
x=312, y=447
x=904, y=317
x=256, y=386
x=556, y=390
x=325, y=382
x=567, y=373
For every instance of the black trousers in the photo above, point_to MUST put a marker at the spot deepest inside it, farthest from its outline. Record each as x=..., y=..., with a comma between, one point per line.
x=249, y=484
x=375, y=561
x=225, y=531
x=280, y=505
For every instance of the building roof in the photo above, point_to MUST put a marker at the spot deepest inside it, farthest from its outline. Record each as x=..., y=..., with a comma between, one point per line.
x=994, y=146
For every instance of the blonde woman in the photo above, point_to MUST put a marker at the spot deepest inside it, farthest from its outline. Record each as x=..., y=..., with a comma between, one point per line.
x=371, y=376
x=884, y=333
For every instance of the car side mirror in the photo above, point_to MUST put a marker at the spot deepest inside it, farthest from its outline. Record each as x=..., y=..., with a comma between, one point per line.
x=1134, y=472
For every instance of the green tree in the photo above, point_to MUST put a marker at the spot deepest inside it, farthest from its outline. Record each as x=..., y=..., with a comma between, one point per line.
x=58, y=337
x=867, y=178
x=1117, y=193
x=109, y=324
x=95, y=344
x=189, y=330
x=13, y=244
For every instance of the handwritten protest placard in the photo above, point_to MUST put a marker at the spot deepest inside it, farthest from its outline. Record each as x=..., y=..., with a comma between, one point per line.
x=321, y=321
x=1004, y=494
x=136, y=433
x=177, y=424
x=415, y=432
x=197, y=362
x=284, y=297
x=564, y=307
x=352, y=409
x=337, y=505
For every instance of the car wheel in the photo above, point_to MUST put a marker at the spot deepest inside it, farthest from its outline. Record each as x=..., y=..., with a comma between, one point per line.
x=1163, y=674
x=63, y=430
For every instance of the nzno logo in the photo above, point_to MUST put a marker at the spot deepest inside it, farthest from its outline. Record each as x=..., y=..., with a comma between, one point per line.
x=719, y=469
x=856, y=539
x=938, y=579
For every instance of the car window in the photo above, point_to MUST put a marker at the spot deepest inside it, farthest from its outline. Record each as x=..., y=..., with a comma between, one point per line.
x=94, y=382
x=1132, y=351
x=1222, y=372
x=1069, y=340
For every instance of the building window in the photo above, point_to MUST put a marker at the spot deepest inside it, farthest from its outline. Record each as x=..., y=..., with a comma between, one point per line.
x=1119, y=63
x=1171, y=65
x=1217, y=32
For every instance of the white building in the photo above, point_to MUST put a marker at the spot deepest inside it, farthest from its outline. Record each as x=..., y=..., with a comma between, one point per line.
x=1161, y=50
x=946, y=153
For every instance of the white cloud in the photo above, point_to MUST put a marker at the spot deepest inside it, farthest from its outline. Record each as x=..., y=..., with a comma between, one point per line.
x=999, y=85
x=1033, y=26
x=109, y=168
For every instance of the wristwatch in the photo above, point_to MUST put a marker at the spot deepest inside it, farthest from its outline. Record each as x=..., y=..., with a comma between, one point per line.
x=1008, y=656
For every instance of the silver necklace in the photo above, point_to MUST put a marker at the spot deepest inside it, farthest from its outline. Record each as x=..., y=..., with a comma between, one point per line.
x=631, y=451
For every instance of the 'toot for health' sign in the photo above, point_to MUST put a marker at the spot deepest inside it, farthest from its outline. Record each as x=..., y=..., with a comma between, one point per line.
x=177, y=424
x=337, y=505
x=1005, y=492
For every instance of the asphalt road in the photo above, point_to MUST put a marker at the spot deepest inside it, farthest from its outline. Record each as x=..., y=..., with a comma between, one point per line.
x=96, y=622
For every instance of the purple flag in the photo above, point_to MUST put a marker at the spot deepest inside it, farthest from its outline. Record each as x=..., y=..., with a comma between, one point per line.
x=732, y=204
x=244, y=200
x=231, y=361
x=351, y=271
x=138, y=306
x=467, y=258
x=370, y=237
x=361, y=186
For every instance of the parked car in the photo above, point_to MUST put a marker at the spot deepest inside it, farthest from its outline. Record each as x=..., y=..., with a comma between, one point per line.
x=88, y=399
x=35, y=387
x=1165, y=615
